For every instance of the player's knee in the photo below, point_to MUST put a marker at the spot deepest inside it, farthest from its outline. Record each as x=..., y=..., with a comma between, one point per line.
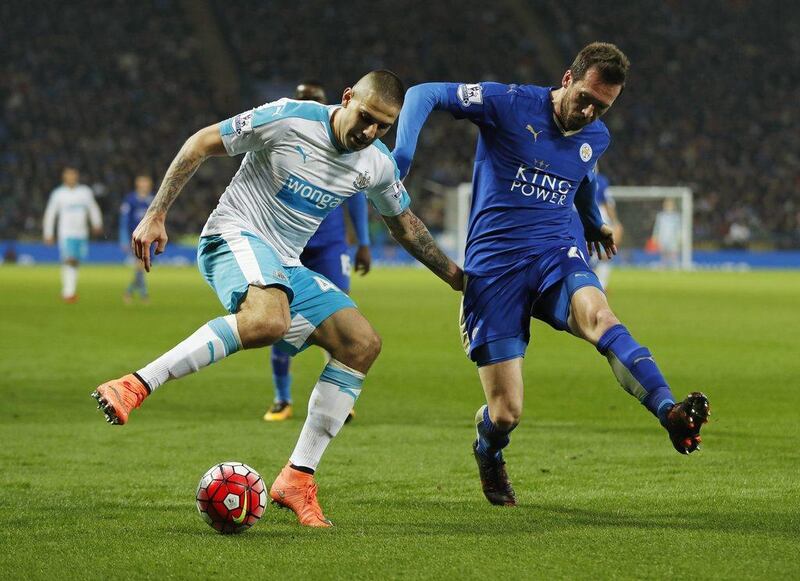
x=604, y=319
x=260, y=332
x=362, y=350
x=370, y=346
x=506, y=416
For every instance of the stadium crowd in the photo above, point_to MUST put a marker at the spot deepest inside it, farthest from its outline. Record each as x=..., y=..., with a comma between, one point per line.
x=116, y=91
x=111, y=91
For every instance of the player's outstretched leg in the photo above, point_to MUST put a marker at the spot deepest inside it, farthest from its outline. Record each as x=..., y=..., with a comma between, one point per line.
x=261, y=320
x=354, y=345
x=281, y=408
x=494, y=422
x=636, y=370
x=210, y=343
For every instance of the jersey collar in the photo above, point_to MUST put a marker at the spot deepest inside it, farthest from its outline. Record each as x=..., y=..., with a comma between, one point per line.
x=335, y=142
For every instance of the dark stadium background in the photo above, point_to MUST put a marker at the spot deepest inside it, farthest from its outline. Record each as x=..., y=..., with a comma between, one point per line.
x=114, y=87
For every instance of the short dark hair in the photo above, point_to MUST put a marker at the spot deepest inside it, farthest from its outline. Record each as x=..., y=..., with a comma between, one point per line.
x=310, y=90
x=387, y=85
x=610, y=62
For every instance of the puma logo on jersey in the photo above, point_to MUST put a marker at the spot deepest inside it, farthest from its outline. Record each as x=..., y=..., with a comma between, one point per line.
x=535, y=133
x=302, y=152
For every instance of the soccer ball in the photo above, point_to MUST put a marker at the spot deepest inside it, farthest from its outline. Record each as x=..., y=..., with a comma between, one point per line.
x=231, y=497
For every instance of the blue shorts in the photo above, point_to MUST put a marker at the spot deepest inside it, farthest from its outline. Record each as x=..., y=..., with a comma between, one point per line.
x=233, y=261
x=73, y=248
x=496, y=309
x=331, y=261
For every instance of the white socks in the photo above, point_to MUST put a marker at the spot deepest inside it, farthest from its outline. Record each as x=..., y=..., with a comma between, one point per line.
x=333, y=397
x=603, y=271
x=210, y=343
x=69, y=280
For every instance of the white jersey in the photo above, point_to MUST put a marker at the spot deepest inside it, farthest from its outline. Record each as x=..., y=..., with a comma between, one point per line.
x=293, y=175
x=74, y=208
x=667, y=230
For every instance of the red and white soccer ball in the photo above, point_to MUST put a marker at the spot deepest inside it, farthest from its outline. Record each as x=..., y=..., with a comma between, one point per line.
x=231, y=497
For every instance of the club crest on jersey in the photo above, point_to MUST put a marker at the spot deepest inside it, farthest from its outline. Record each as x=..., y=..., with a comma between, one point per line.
x=585, y=152
x=280, y=275
x=362, y=181
x=243, y=123
x=469, y=94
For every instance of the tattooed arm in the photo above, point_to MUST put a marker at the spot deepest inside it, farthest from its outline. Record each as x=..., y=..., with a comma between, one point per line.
x=199, y=147
x=412, y=235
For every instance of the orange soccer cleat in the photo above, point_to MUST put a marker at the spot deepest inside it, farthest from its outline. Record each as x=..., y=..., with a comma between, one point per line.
x=118, y=397
x=297, y=491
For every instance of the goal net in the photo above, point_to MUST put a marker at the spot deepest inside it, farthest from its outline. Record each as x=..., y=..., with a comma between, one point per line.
x=657, y=224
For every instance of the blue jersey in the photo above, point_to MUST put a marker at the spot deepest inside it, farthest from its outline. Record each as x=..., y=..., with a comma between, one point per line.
x=527, y=174
x=131, y=212
x=601, y=193
x=603, y=199
x=332, y=230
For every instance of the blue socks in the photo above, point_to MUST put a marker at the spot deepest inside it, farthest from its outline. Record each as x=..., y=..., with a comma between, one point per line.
x=636, y=371
x=491, y=439
x=138, y=284
x=280, y=375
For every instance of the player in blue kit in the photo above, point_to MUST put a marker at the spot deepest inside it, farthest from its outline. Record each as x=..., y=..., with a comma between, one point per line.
x=131, y=211
x=608, y=211
x=328, y=254
x=536, y=153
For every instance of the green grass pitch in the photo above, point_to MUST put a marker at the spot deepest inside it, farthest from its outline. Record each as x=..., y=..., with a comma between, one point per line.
x=602, y=493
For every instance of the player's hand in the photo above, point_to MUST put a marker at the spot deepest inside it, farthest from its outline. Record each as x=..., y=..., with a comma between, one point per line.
x=97, y=231
x=457, y=280
x=49, y=241
x=605, y=243
x=363, y=260
x=151, y=229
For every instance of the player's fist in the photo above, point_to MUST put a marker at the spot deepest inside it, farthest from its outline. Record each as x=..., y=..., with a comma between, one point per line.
x=150, y=230
x=49, y=241
x=363, y=259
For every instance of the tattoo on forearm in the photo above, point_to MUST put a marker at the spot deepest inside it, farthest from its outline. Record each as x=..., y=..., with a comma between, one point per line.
x=180, y=170
x=419, y=242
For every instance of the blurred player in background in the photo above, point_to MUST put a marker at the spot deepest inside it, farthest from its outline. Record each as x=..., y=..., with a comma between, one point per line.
x=667, y=234
x=131, y=211
x=302, y=160
x=608, y=212
x=74, y=206
x=327, y=253
x=536, y=153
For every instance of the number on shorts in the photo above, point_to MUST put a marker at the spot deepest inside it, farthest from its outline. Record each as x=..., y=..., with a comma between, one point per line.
x=345, y=264
x=575, y=253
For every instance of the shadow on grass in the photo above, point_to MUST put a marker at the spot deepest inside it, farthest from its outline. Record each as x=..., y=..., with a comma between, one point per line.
x=453, y=518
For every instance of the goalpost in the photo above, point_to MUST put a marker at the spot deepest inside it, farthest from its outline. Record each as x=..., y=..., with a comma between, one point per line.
x=638, y=208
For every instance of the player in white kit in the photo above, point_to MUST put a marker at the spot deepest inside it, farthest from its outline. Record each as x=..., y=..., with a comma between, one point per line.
x=302, y=160
x=74, y=206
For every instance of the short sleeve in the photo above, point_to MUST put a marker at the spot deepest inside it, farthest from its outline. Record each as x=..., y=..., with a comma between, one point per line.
x=254, y=129
x=389, y=195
